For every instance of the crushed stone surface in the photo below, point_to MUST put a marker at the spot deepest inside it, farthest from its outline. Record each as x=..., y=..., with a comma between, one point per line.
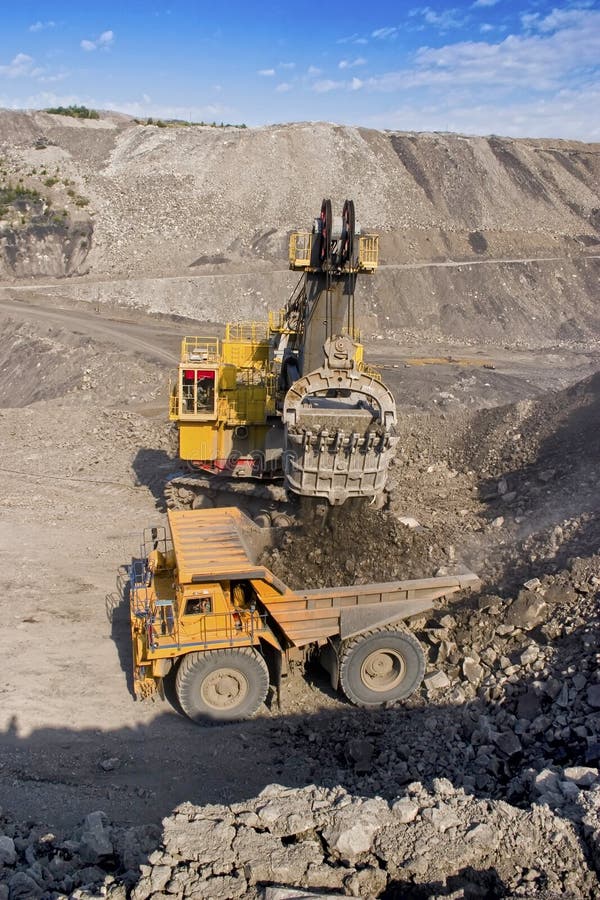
x=483, y=783
x=486, y=782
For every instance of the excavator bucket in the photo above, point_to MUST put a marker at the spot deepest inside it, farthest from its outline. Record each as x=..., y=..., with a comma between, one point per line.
x=339, y=429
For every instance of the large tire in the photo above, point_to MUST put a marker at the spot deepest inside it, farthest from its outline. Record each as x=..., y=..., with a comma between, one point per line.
x=381, y=666
x=222, y=685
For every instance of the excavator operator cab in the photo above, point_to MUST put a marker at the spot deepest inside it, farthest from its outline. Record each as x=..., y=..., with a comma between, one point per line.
x=197, y=392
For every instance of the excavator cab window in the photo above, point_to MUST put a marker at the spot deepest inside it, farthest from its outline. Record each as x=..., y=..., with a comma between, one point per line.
x=197, y=391
x=206, y=391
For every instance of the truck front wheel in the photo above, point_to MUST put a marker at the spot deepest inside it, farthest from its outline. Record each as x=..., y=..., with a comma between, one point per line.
x=381, y=666
x=222, y=685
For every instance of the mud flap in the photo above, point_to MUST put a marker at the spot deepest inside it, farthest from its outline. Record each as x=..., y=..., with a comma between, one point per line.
x=274, y=660
x=329, y=660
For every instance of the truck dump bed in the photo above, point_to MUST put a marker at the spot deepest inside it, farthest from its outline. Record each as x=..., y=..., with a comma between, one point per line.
x=223, y=544
x=216, y=544
x=346, y=611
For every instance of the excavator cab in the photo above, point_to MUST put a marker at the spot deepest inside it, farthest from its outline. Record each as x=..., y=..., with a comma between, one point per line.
x=195, y=396
x=198, y=391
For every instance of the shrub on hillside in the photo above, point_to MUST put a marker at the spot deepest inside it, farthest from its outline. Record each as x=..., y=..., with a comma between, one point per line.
x=76, y=112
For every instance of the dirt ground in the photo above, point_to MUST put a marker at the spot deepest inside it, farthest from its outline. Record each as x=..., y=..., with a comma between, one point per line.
x=85, y=449
x=483, y=317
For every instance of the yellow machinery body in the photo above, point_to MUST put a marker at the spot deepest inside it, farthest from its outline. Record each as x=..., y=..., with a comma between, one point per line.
x=302, y=252
x=228, y=396
x=224, y=397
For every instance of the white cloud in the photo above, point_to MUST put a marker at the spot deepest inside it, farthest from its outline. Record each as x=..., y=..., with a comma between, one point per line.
x=43, y=99
x=21, y=66
x=323, y=87
x=543, y=81
x=389, y=31
x=538, y=61
x=42, y=26
x=53, y=78
x=327, y=85
x=103, y=42
x=209, y=112
x=24, y=66
x=529, y=20
x=541, y=61
x=563, y=18
x=269, y=73
x=352, y=39
x=351, y=63
x=283, y=87
x=485, y=3
x=138, y=108
x=486, y=27
x=444, y=20
x=565, y=114
x=313, y=71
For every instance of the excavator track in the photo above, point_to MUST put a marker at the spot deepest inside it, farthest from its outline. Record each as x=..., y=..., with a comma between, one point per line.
x=268, y=504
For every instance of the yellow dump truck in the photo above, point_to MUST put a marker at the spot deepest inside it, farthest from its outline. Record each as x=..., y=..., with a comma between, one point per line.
x=203, y=611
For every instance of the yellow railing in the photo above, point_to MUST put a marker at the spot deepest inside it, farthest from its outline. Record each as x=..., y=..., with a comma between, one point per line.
x=247, y=331
x=271, y=385
x=366, y=369
x=199, y=350
x=246, y=345
x=368, y=252
x=277, y=322
x=173, y=401
x=300, y=249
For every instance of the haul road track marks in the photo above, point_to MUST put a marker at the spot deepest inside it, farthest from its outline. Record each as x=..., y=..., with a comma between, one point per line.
x=135, y=338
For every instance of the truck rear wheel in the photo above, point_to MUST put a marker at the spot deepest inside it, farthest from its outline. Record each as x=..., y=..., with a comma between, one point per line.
x=222, y=685
x=381, y=666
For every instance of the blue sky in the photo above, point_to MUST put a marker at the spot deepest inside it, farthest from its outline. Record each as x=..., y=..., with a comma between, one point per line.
x=528, y=68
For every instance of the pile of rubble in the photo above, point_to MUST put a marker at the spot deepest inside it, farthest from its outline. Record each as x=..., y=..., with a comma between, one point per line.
x=440, y=841
x=512, y=687
x=485, y=784
x=36, y=863
x=356, y=546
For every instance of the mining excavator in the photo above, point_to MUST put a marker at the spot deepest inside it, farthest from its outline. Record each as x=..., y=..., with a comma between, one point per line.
x=223, y=627
x=288, y=406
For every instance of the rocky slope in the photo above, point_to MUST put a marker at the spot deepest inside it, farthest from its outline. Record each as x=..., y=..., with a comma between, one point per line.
x=189, y=209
